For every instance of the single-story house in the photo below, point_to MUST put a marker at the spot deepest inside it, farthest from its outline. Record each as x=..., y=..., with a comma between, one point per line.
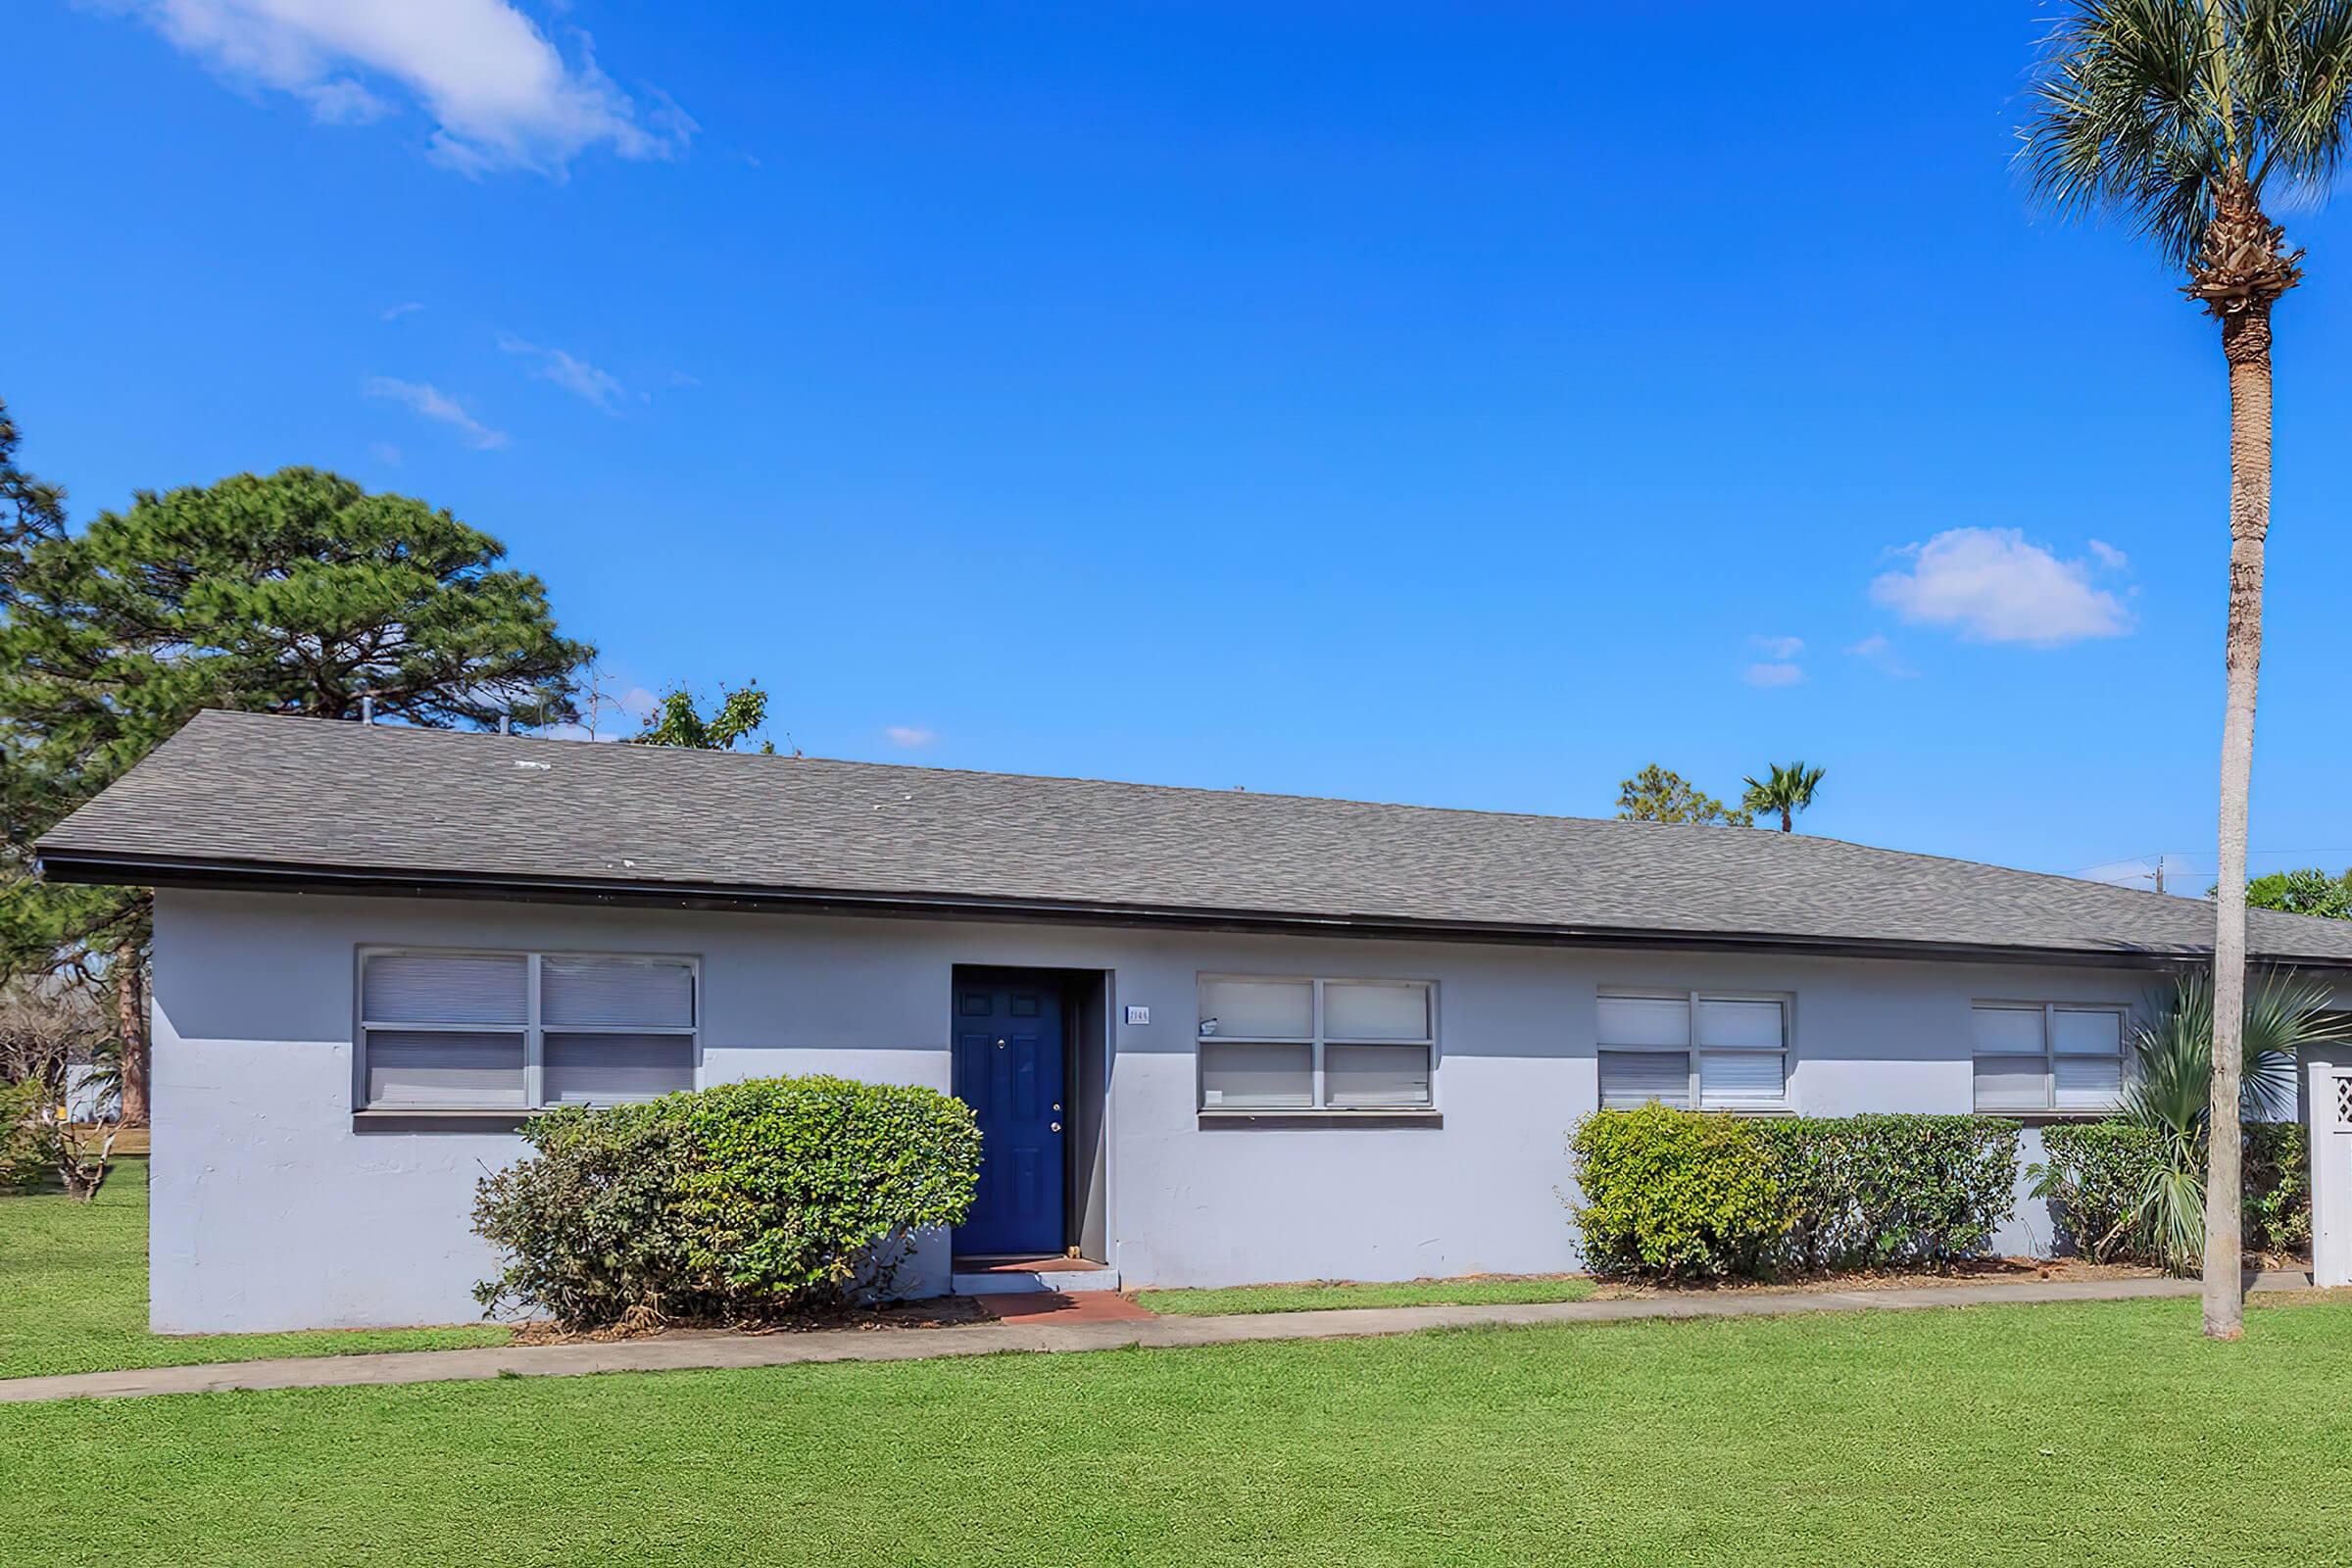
x=1211, y=1037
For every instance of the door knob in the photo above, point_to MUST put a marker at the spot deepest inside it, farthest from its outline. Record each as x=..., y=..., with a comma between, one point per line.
x=1057, y=1126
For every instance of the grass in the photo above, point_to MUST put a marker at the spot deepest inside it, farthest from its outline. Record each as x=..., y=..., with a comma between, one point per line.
x=2082, y=1435
x=73, y=1295
x=1317, y=1297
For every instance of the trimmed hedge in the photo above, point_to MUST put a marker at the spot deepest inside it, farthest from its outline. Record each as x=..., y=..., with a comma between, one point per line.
x=739, y=1202
x=2094, y=1173
x=1871, y=1191
x=1675, y=1193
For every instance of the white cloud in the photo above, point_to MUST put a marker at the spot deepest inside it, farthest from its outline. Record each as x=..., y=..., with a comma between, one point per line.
x=910, y=737
x=437, y=404
x=1994, y=585
x=1780, y=647
x=2106, y=554
x=403, y=308
x=499, y=91
x=1773, y=674
x=574, y=375
x=1879, y=651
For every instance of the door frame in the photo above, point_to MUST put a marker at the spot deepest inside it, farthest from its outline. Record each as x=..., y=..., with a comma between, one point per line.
x=1087, y=1055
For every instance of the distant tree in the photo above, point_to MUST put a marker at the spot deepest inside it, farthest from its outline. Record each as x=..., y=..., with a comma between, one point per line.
x=1661, y=795
x=2193, y=122
x=2308, y=891
x=1786, y=790
x=29, y=510
x=736, y=718
x=296, y=593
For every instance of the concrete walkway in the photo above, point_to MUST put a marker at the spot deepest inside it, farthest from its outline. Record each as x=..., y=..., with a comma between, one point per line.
x=681, y=1350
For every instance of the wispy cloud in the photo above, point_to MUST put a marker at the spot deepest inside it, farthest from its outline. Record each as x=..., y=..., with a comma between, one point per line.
x=499, y=91
x=385, y=452
x=438, y=406
x=574, y=375
x=1879, y=651
x=1995, y=585
x=1773, y=674
x=2106, y=554
x=403, y=308
x=910, y=737
x=1780, y=647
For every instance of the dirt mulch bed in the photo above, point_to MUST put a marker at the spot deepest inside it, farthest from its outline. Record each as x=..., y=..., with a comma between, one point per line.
x=1972, y=1272
x=939, y=1312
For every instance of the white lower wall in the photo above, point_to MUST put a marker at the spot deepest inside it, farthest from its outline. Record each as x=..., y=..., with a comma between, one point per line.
x=272, y=1211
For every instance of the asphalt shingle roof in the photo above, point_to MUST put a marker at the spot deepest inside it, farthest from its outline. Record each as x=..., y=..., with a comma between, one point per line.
x=254, y=795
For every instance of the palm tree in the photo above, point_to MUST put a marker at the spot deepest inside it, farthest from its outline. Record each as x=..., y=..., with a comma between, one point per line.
x=2171, y=1094
x=1788, y=790
x=2184, y=118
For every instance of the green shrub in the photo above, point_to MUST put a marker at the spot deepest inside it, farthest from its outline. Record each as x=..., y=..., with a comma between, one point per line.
x=1680, y=1193
x=28, y=1138
x=1879, y=1190
x=744, y=1201
x=1674, y=1194
x=2278, y=1186
x=2095, y=1173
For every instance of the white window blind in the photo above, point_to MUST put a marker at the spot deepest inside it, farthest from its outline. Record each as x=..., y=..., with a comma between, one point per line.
x=2046, y=1056
x=617, y=993
x=1337, y=1045
x=1724, y=1053
x=447, y=988
x=1631, y=1078
x=1258, y=1009
x=599, y=1069
x=508, y=1031
x=444, y=1069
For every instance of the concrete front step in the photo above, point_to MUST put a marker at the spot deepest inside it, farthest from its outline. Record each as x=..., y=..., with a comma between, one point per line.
x=1023, y=1280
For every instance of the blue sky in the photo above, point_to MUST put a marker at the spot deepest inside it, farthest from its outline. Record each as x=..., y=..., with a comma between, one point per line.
x=1455, y=405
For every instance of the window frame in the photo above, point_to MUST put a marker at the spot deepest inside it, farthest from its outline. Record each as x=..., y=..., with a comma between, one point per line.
x=1691, y=1049
x=2049, y=1105
x=1319, y=1101
x=532, y=1029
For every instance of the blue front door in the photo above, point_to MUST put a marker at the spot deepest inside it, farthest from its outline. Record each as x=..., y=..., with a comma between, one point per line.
x=1008, y=1070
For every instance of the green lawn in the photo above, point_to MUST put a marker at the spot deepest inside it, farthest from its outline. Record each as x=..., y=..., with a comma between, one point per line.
x=1316, y=1297
x=2075, y=1435
x=73, y=1295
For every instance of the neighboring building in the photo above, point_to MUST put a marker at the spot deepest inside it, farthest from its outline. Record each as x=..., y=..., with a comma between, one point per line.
x=1211, y=1037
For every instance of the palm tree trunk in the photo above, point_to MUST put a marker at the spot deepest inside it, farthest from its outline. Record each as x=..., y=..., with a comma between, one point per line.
x=2246, y=345
x=130, y=1026
x=1788, y=821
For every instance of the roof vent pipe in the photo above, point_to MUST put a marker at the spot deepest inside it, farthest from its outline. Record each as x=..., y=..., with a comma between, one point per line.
x=367, y=709
x=506, y=723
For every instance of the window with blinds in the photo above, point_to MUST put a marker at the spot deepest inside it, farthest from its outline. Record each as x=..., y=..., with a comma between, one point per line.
x=2034, y=1055
x=1316, y=1045
x=1715, y=1051
x=514, y=1031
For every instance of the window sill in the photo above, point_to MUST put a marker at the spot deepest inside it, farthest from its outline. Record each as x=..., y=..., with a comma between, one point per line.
x=2036, y=1118
x=388, y=1120
x=1279, y=1119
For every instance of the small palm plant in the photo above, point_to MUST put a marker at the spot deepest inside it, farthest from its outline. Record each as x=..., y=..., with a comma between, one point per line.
x=1787, y=790
x=2172, y=1095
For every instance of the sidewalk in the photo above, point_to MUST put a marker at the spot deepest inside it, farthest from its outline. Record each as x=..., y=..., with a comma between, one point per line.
x=718, y=1350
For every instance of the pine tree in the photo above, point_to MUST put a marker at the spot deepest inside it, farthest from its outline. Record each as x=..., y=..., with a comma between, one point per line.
x=296, y=593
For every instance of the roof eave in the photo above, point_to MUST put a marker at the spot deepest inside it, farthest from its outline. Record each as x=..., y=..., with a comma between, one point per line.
x=67, y=863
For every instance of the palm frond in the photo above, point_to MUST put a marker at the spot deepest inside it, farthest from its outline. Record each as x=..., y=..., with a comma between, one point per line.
x=2143, y=108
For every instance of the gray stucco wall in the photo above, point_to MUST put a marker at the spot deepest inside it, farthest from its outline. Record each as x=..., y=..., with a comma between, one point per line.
x=271, y=1211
